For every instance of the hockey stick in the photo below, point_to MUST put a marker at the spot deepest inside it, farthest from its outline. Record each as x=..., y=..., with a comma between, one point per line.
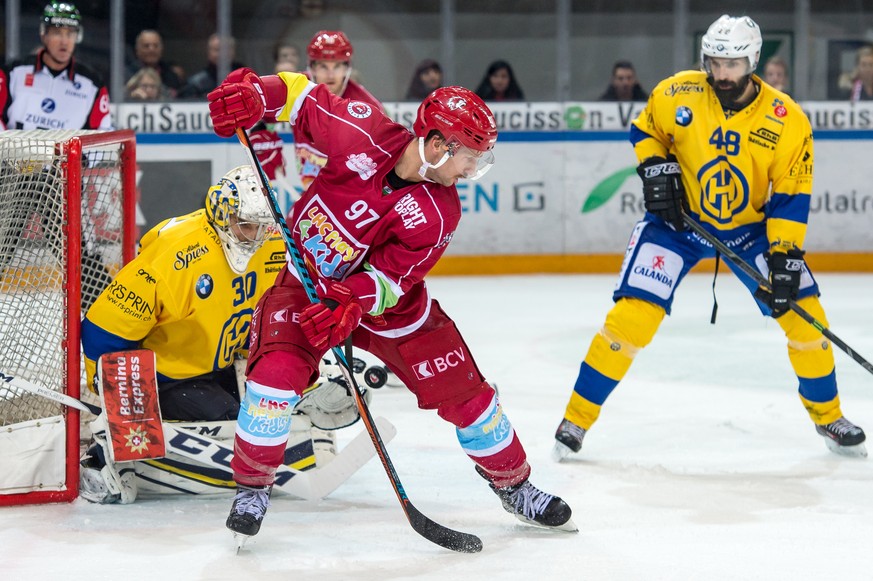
x=429, y=529
x=759, y=278
x=312, y=484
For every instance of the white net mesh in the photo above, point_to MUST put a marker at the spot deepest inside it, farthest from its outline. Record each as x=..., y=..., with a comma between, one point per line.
x=36, y=195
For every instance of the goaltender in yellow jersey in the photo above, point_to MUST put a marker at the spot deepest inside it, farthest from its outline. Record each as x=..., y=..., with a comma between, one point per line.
x=189, y=297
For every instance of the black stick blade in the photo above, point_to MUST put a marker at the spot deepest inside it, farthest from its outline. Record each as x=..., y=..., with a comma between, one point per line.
x=440, y=535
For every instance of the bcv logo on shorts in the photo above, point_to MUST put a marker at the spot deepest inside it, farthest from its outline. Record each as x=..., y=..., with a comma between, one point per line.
x=430, y=367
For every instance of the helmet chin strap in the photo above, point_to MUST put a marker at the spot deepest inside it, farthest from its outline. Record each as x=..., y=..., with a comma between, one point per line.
x=425, y=165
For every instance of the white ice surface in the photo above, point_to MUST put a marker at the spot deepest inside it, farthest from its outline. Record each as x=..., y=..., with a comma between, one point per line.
x=704, y=465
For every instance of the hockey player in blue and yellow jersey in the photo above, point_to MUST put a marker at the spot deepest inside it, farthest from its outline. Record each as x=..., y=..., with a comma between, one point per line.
x=189, y=297
x=737, y=156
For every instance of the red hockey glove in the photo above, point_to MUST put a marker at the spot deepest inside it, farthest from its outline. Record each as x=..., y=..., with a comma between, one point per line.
x=330, y=322
x=239, y=101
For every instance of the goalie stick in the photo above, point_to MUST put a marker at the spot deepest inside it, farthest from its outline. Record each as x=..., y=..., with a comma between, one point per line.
x=426, y=527
x=312, y=484
x=759, y=278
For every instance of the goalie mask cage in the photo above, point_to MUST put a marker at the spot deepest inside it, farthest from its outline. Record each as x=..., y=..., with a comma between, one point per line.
x=67, y=225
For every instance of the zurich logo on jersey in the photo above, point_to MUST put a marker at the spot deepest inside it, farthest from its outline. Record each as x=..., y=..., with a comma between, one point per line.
x=683, y=116
x=48, y=105
x=204, y=286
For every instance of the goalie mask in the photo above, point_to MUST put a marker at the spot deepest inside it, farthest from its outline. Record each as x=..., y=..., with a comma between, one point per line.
x=238, y=211
x=61, y=14
x=466, y=123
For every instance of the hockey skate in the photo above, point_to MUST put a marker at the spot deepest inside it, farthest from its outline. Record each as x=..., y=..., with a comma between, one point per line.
x=568, y=440
x=844, y=438
x=248, y=510
x=531, y=505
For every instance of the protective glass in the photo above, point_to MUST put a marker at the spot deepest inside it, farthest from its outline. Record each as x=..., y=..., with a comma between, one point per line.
x=473, y=164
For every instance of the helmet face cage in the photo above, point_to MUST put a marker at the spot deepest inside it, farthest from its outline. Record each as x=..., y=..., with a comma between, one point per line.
x=729, y=38
x=239, y=212
x=61, y=14
x=330, y=45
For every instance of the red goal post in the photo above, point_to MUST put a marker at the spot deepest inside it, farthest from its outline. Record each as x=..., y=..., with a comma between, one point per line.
x=67, y=225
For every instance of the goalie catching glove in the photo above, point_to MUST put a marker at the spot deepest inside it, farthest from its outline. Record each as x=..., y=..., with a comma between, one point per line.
x=663, y=193
x=330, y=322
x=331, y=405
x=785, y=271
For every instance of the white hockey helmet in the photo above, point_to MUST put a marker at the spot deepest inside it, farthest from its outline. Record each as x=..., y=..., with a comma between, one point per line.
x=238, y=210
x=732, y=37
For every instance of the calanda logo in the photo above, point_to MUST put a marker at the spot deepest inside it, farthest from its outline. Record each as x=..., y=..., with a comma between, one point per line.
x=603, y=191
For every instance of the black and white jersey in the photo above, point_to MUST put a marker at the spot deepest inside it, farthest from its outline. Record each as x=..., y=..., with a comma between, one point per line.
x=32, y=96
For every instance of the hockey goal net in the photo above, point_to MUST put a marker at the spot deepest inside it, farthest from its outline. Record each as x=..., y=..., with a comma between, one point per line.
x=67, y=224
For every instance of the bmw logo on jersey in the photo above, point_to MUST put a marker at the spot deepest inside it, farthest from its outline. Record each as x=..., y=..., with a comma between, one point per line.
x=204, y=286
x=683, y=116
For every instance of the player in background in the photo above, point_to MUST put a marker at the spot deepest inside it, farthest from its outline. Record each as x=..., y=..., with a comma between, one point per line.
x=188, y=297
x=52, y=90
x=729, y=150
x=330, y=62
x=372, y=224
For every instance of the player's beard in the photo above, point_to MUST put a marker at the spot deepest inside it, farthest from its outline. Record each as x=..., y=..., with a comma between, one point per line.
x=728, y=92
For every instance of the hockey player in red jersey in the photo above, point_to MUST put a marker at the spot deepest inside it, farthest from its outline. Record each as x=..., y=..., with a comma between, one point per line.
x=377, y=218
x=330, y=63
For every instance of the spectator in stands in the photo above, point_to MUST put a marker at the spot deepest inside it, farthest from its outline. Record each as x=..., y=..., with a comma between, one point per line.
x=145, y=85
x=206, y=79
x=149, y=48
x=428, y=76
x=859, y=83
x=499, y=84
x=286, y=57
x=776, y=73
x=623, y=86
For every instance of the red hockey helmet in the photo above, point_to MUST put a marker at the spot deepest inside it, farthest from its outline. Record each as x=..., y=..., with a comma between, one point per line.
x=330, y=45
x=457, y=113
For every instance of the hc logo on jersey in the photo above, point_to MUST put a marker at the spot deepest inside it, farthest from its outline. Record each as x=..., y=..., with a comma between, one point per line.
x=683, y=116
x=48, y=105
x=359, y=110
x=724, y=190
